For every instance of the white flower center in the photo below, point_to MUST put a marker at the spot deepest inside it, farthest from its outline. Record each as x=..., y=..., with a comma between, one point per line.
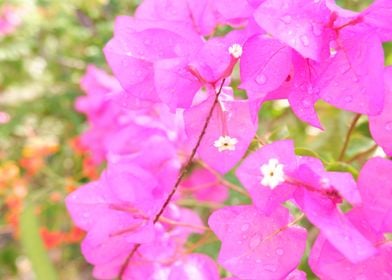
x=235, y=50
x=225, y=143
x=333, y=49
x=273, y=173
x=332, y=52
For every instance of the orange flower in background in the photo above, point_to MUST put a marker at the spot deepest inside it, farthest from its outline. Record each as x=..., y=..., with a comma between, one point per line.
x=34, y=153
x=56, y=238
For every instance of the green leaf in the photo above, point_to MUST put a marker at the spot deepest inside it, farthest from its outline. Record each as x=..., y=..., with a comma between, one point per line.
x=33, y=245
x=343, y=167
x=307, y=152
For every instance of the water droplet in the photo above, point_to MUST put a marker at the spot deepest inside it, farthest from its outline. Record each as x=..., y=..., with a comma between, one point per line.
x=254, y=241
x=348, y=99
x=245, y=227
x=279, y=252
x=261, y=79
x=270, y=267
x=305, y=40
x=286, y=19
x=388, y=126
x=306, y=103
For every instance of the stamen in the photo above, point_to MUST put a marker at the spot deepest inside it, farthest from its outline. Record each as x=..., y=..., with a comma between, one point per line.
x=225, y=143
x=273, y=173
x=235, y=50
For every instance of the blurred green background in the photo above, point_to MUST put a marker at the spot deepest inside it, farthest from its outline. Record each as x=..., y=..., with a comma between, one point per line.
x=41, y=64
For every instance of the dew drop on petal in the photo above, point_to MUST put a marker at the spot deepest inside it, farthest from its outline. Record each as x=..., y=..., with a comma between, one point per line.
x=255, y=241
x=270, y=267
x=348, y=99
x=388, y=126
x=279, y=252
x=261, y=79
x=306, y=103
x=245, y=227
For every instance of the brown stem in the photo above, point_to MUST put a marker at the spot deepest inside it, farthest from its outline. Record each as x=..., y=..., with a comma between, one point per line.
x=348, y=136
x=205, y=204
x=363, y=154
x=182, y=174
x=125, y=265
x=222, y=180
x=181, y=224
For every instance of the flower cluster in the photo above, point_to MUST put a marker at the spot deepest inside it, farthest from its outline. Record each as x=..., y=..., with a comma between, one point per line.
x=170, y=123
x=10, y=19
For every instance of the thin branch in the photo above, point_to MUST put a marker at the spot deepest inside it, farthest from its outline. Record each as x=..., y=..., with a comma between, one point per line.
x=192, y=156
x=363, y=154
x=348, y=136
x=125, y=265
x=260, y=140
x=205, y=239
x=182, y=174
x=181, y=224
x=222, y=180
x=205, y=204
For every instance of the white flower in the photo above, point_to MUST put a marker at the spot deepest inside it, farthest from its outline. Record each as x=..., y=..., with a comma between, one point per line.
x=273, y=173
x=225, y=143
x=235, y=50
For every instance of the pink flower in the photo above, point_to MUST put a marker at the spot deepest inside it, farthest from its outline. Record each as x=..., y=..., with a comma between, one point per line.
x=381, y=125
x=274, y=174
x=228, y=135
x=299, y=24
x=257, y=246
x=376, y=190
x=10, y=19
x=328, y=263
x=204, y=186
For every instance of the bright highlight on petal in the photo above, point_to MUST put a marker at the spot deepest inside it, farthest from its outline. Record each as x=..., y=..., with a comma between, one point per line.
x=273, y=173
x=225, y=143
x=235, y=50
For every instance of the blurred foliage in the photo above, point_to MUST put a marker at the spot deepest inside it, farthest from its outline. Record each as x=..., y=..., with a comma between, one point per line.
x=41, y=65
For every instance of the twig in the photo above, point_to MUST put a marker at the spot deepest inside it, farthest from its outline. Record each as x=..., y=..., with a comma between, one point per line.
x=362, y=154
x=348, y=136
x=181, y=224
x=222, y=180
x=182, y=174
